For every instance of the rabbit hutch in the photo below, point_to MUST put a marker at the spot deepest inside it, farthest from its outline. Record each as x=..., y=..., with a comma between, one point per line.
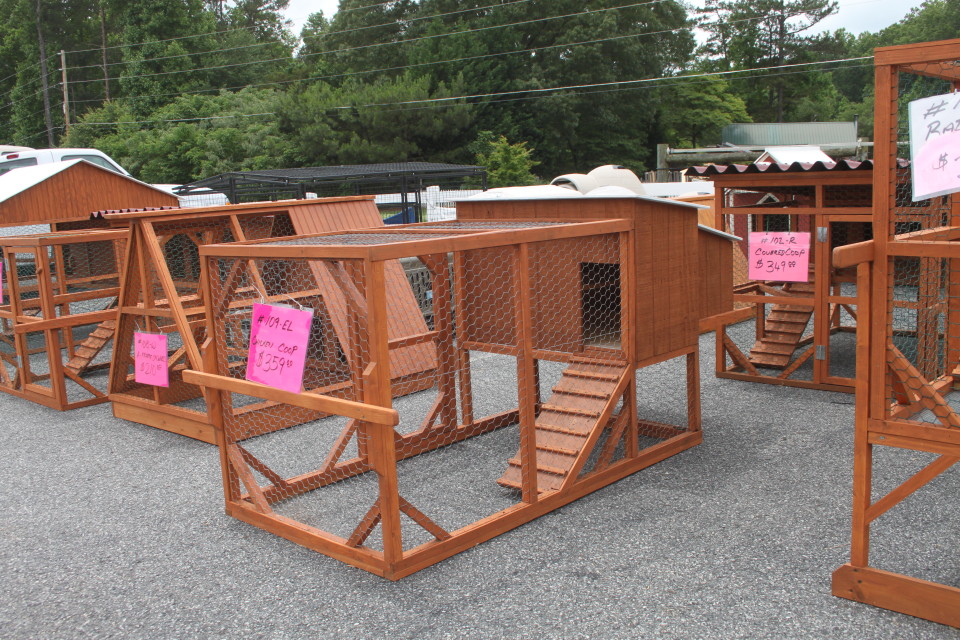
x=161, y=294
x=542, y=330
x=804, y=308
x=907, y=429
x=58, y=314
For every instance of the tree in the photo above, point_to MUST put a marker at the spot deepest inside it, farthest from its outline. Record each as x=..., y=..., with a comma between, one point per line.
x=520, y=56
x=194, y=136
x=361, y=36
x=752, y=34
x=508, y=165
x=390, y=120
x=698, y=109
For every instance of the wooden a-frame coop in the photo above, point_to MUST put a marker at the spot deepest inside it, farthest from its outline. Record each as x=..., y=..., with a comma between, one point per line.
x=802, y=333
x=535, y=326
x=161, y=293
x=908, y=364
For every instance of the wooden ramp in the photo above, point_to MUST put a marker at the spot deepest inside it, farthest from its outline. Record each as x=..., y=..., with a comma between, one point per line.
x=785, y=326
x=92, y=345
x=569, y=420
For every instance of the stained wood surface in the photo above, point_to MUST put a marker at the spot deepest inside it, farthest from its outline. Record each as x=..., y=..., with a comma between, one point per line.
x=566, y=422
x=76, y=192
x=667, y=270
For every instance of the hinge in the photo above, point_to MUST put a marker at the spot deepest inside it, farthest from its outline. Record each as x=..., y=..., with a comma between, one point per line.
x=821, y=234
x=820, y=353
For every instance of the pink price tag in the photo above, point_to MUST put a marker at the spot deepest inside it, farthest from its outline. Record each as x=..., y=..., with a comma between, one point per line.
x=936, y=167
x=779, y=255
x=278, y=346
x=150, y=359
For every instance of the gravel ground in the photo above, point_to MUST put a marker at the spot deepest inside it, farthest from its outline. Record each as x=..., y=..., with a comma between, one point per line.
x=113, y=529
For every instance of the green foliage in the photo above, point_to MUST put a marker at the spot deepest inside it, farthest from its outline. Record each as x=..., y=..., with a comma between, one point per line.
x=699, y=109
x=508, y=165
x=752, y=34
x=172, y=88
x=175, y=147
x=390, y=120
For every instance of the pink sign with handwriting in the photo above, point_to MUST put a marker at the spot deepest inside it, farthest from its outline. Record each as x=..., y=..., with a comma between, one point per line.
x=150, y=359
x=278, y=346
x=779, y=255
x=935, y=145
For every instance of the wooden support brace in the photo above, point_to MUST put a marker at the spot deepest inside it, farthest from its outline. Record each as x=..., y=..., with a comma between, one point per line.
x=254, y=490
x=262, y=468
x=916, y=383
x=910, y=486
x=417, y=516
x=366, y=526
x=736, y=355
x=796, y=364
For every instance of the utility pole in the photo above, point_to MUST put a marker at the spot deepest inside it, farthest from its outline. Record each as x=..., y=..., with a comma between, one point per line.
x=103, y=53
x=47, y=120
x=66, y=94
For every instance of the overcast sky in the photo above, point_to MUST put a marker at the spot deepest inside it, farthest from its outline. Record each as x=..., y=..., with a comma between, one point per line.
x=854, y=15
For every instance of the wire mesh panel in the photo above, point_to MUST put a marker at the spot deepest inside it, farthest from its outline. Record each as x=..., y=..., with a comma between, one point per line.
x=532, y=392
x=59, y=315
x=909, y=288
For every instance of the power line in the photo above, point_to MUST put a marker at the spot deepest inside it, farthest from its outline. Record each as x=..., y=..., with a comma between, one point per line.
x=410, y=65
x=419, y=18
x=534, y=93
x=417, y=39
x=239, y=115
x=264, y=44
x=140, y=44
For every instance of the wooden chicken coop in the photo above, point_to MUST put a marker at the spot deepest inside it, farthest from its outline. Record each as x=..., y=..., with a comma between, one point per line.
x=907, y=429
x=802, y=330
x=63, y=194
x=161, y=293
x=535, y=325
x=58, y=315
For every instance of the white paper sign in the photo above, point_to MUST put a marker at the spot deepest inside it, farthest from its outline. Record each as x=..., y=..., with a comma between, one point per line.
x=935, y=145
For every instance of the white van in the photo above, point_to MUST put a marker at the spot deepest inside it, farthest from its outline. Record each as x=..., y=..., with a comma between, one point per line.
x=10, y=160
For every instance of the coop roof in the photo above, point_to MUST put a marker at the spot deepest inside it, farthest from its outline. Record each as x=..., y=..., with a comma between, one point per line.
x=285, y=181
x=410, y=240
x=552, y=192
x=787, y=167
x=70, y=190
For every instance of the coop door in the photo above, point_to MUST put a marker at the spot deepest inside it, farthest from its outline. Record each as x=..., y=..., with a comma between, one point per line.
x=600, y=304
x=839, y=311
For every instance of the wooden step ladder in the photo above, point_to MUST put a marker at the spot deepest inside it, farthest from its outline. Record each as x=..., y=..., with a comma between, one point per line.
x=93, y=344
x=785, y=326
x=567, y=420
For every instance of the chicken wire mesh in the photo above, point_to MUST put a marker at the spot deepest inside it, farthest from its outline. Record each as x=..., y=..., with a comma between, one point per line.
x=923, y=293
x=530, y=387
x=67, y=286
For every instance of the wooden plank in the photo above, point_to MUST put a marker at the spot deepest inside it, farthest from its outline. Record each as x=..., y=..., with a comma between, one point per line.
x=896, y=592
x=166, y=418
x=527, y=397
x=315, y=402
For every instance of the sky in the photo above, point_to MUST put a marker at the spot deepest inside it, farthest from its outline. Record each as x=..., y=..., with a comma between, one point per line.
x=855, y=16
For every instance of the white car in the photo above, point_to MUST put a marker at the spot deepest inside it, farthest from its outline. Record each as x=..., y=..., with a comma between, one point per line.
x=14, y=159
